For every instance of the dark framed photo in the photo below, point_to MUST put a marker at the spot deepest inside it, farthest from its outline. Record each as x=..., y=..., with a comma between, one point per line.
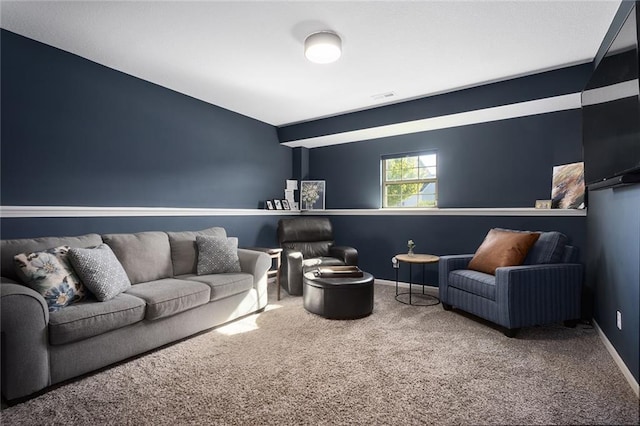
x=543, y=204
x=277, y=204
x=285, y=205
x=268, y=205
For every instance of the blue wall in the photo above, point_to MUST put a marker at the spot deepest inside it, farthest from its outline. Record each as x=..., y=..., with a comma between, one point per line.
x=76, y=133
x=110, y=139
x=504, y=163
x=251, y=230
x=613, y=267
x=613, y=255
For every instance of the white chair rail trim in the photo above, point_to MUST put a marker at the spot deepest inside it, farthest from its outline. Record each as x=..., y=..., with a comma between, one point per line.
x=79, y=211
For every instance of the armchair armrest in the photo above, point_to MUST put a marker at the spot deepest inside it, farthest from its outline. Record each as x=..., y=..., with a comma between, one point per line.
x=291, y=271
x=24, y=354
x=348, y=255
x=539, y=294
x=447, y=264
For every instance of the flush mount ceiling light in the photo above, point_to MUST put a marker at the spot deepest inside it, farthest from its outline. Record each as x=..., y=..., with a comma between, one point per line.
x=323, y=47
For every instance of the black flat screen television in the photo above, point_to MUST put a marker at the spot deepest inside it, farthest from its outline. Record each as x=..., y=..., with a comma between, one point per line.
x=611, y=112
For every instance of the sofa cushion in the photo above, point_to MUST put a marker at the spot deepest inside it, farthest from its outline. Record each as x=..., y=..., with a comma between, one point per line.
x=502, y=248
x=146, y=256
x=474, y=282
x=217, y=255
x=9, y=248
x=170, y=296
x=100, y=271
x=184, y=250
x=224, y=285
x=50, y=273
x=90, y=318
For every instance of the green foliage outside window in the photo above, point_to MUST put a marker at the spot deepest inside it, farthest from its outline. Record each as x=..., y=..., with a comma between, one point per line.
x=410, y=181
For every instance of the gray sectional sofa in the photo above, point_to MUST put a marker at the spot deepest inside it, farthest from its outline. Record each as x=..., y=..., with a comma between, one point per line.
x=167, y=301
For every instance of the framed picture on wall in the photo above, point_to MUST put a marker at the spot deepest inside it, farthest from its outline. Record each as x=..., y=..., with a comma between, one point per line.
x=278, y=204
x=312, y=194
x=285, y=205
x=268, y=205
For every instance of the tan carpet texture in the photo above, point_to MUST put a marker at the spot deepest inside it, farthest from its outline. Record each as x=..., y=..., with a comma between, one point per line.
x=402, y=365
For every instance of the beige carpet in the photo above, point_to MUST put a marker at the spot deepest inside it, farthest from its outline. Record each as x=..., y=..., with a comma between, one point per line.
x=402, y=365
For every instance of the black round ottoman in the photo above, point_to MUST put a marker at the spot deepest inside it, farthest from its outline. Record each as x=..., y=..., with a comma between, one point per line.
x=338, y=298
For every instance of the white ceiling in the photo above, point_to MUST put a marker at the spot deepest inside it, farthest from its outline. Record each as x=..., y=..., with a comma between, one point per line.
x=247, y=56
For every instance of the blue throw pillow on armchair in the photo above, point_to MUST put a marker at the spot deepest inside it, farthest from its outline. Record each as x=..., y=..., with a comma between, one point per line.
x=548, y=249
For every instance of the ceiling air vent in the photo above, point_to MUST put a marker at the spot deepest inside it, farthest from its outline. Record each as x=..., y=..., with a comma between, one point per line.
x=386, y=95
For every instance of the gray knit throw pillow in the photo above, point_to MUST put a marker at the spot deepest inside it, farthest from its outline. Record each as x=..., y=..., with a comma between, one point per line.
x=100, y=271
x=217, y=255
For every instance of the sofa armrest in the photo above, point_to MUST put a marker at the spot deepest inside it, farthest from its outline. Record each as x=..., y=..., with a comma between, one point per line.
x=348, y=255
x=255, y=263
x=539, y=294
x=291, y=271
x=24, y=318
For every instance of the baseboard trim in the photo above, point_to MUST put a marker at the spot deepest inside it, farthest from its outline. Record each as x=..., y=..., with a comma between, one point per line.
x=618, y=360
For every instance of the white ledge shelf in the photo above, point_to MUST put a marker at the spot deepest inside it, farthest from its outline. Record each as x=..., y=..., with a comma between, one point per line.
x=524, y=211
x=71, y=211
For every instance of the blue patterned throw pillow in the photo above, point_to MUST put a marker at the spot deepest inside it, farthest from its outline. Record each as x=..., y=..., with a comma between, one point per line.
x=100, y=271
x=49, y=272
x=217, y=255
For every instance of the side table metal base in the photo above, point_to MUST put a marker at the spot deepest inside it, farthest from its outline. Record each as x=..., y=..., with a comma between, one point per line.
x=416, y=299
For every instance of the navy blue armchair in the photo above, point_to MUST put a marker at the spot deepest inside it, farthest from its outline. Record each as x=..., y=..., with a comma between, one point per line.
x=545, y=289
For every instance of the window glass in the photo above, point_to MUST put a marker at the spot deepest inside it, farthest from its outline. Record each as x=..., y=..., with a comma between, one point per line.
x=410, y=181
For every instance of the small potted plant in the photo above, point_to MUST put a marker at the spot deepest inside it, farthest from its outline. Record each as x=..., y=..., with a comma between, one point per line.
x=410, y=245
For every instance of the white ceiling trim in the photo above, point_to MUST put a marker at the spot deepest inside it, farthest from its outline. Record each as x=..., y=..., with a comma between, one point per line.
x=610, y=93
x=485, y=115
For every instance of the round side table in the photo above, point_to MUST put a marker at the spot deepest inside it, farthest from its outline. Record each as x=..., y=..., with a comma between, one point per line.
x=420, y=259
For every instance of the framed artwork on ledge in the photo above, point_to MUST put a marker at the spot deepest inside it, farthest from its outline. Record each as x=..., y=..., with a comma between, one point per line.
x=278, y=204
x=567, y=190
x=268, y=204
x=312, y=194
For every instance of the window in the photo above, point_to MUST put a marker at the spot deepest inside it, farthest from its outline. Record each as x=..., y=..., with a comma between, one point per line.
x=410, y=180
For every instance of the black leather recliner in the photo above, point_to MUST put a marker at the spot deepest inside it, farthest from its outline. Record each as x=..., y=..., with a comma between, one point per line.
x=308, y=242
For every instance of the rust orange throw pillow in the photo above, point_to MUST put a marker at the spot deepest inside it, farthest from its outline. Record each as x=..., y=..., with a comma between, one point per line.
x=502, y=248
